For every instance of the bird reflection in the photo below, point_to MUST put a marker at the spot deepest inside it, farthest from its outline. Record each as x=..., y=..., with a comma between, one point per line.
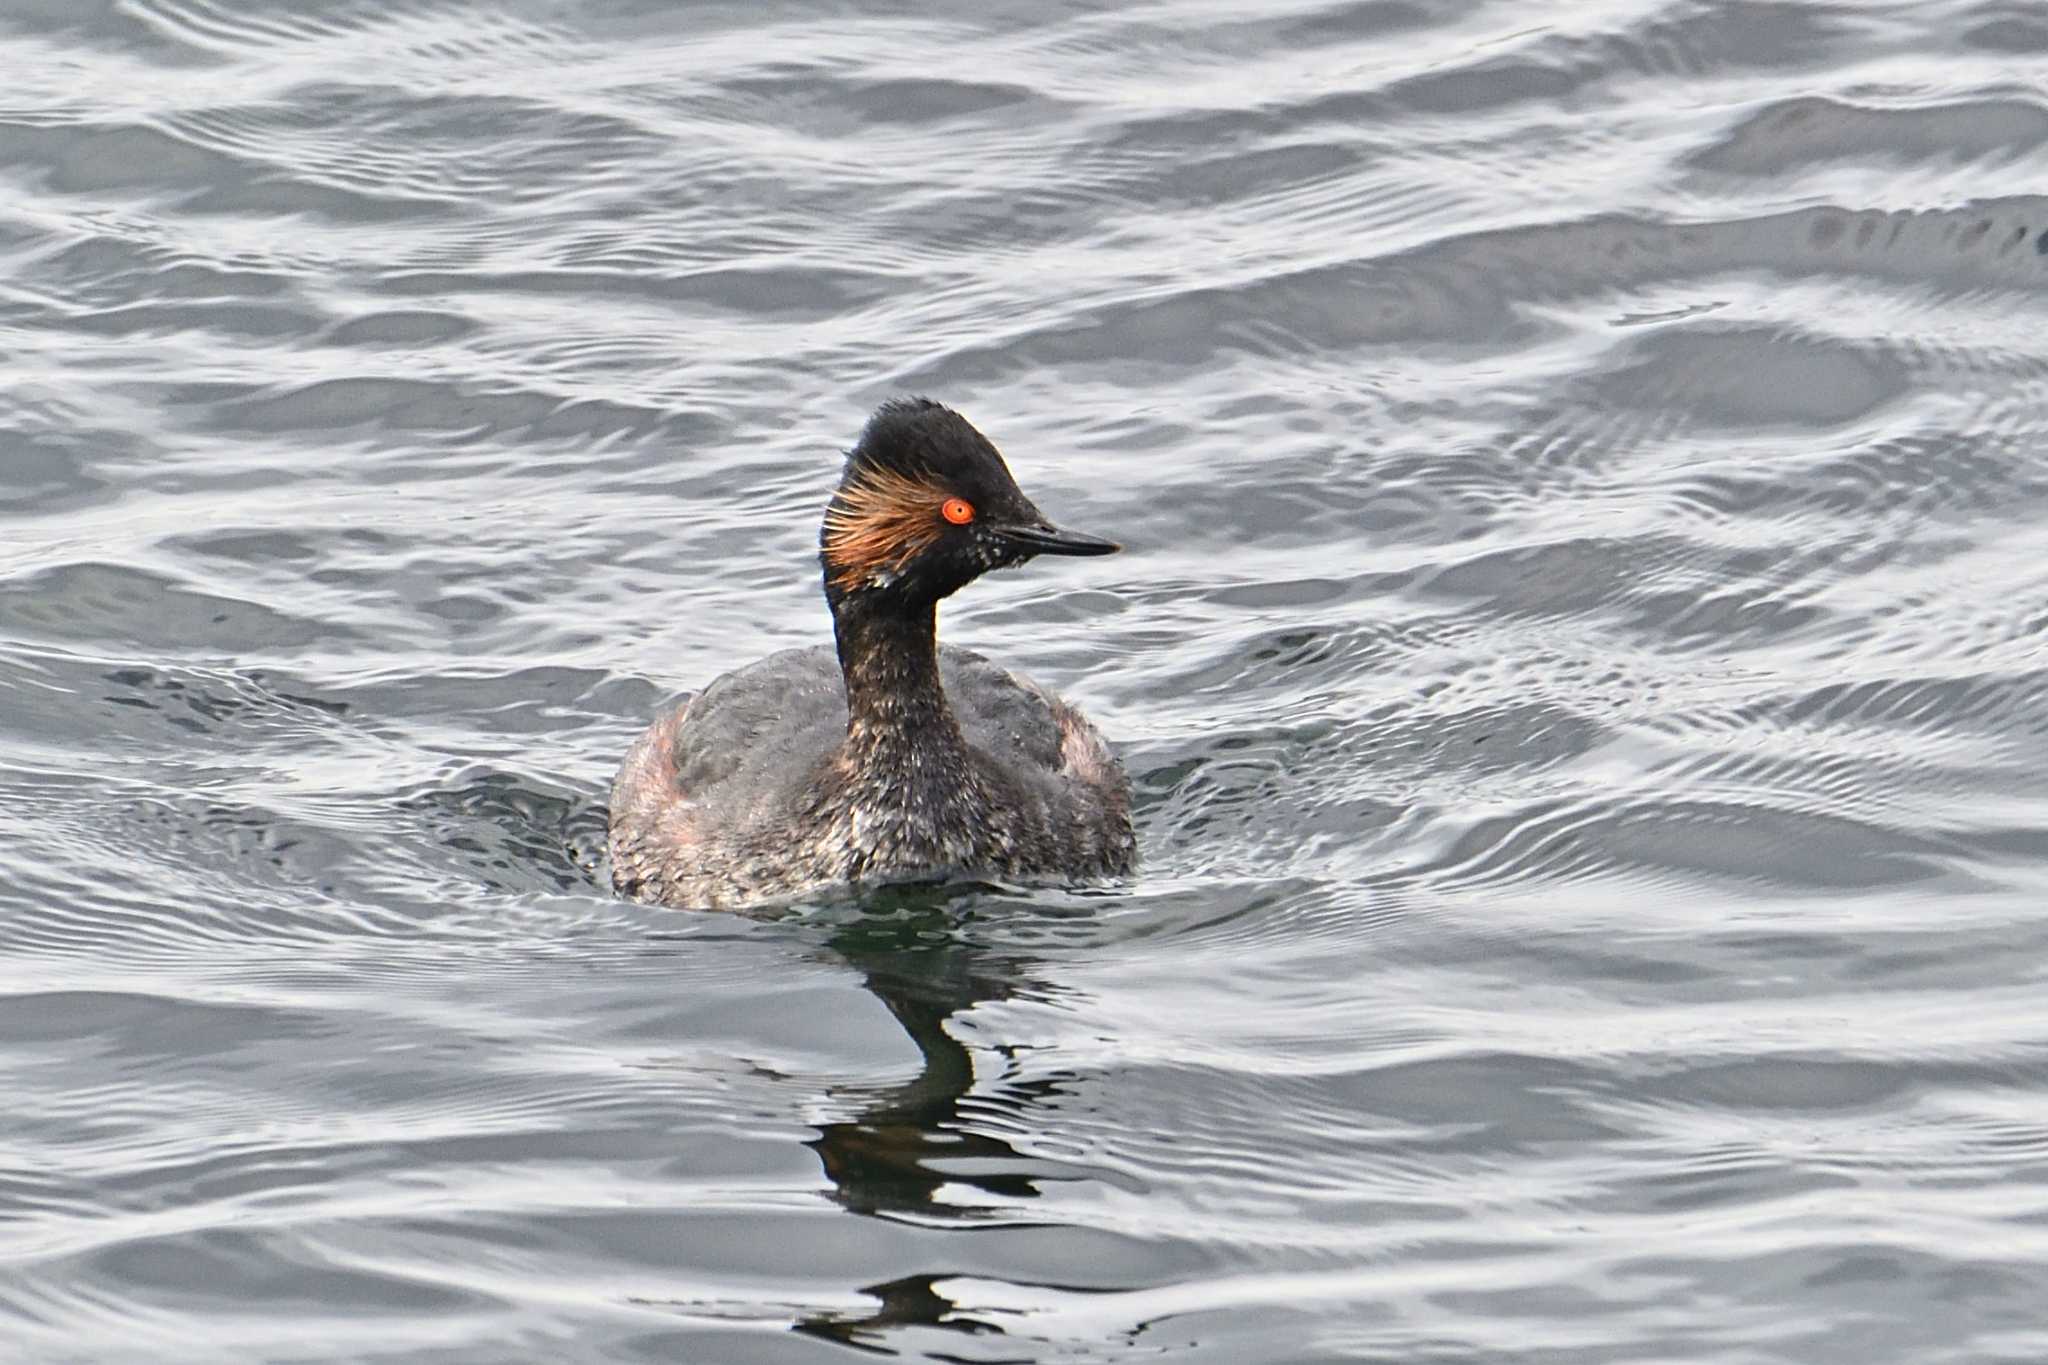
x=910, y=1142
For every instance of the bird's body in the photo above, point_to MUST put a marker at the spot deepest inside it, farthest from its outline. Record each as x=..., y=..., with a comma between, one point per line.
x=1023, y=798
x=889, y=758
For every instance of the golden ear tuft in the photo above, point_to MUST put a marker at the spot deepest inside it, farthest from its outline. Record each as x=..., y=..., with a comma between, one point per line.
x=879, y=522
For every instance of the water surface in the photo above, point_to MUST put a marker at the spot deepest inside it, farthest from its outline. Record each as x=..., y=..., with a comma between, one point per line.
x=1580, y=655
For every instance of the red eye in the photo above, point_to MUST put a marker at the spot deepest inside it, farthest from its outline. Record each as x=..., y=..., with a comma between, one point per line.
x=959, y=511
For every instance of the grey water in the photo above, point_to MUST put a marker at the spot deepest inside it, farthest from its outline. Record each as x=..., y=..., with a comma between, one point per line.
x=1580, y=653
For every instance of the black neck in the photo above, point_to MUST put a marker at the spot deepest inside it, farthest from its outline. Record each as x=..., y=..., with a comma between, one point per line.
x=889, y=656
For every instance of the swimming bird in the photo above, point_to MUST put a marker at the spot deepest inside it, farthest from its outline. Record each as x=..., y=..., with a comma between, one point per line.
x=887, y=757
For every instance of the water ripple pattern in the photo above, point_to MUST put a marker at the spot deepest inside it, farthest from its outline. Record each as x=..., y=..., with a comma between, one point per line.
x=1580, y=654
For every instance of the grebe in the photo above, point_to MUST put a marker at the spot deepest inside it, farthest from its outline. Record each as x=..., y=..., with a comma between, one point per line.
x=894, y=759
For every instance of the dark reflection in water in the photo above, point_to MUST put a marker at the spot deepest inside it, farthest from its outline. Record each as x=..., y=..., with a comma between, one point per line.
x=912, y=1301
x=908, y=1142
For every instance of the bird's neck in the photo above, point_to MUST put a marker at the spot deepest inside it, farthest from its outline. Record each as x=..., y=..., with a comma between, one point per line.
x=889, y=657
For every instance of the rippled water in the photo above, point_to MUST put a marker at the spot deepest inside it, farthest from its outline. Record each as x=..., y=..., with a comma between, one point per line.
x=1580, y=654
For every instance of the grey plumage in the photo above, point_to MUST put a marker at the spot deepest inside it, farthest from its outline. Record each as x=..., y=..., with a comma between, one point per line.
x=709, y=810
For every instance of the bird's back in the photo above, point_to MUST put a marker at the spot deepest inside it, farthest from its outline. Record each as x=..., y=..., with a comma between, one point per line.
x=716, y=803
